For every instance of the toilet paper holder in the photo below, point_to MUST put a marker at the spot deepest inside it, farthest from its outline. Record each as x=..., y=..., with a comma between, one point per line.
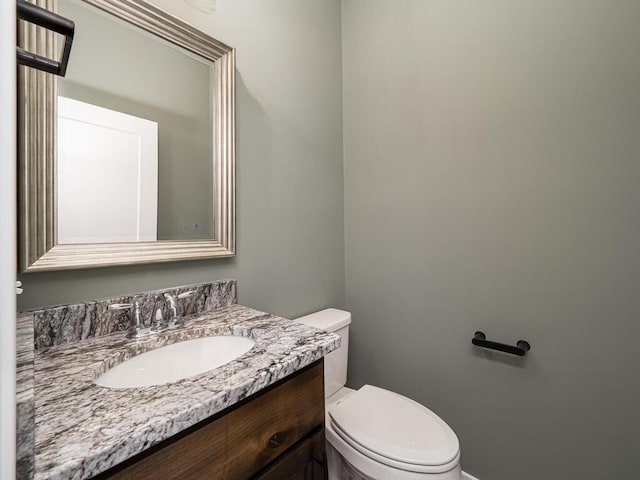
x=521, y=348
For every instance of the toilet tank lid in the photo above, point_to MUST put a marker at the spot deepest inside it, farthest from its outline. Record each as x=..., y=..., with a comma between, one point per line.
x=330, y=319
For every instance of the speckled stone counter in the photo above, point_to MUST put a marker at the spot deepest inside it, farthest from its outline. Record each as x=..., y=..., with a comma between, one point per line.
x=82, y=429
x=24, y=397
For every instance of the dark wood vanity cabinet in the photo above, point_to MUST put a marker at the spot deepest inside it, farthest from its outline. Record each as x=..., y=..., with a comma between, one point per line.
x=275, y=434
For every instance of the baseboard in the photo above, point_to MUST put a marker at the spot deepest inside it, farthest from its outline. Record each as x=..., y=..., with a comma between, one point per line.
x=466, y=476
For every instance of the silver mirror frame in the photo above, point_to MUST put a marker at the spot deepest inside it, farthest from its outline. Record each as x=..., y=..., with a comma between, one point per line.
x=38, y=248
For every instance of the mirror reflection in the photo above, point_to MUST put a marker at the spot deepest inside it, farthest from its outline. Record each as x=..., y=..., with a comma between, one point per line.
x=135, y=136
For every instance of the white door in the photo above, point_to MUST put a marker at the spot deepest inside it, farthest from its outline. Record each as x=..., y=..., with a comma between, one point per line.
x=107, y=175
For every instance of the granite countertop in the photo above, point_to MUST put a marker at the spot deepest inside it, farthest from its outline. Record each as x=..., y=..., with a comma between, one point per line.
x=24, y=397
x=82, y=429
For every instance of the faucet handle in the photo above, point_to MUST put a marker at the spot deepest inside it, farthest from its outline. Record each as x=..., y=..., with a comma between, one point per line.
x=121, y=306
x=169, y=297
x=187, y=294
x=136, y=329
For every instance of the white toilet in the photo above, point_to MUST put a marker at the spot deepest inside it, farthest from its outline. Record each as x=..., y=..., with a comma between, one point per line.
x=375, y=434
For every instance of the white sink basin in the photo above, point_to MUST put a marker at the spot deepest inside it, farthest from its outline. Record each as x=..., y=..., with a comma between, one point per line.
x=175, y=362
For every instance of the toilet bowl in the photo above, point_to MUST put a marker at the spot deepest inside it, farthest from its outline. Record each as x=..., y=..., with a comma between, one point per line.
x=376, y=434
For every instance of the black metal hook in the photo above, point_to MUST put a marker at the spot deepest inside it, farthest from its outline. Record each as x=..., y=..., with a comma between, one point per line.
x=51, y=21
x=521, y=348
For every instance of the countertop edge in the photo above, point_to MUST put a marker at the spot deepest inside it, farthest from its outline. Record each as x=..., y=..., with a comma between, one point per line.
x=25, y=401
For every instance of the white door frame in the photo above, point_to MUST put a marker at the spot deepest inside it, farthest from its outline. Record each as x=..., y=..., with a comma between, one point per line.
x=7, y=240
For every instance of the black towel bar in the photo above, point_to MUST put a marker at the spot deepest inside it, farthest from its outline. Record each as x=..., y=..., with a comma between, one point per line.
x=51, y=21
x=521, y=348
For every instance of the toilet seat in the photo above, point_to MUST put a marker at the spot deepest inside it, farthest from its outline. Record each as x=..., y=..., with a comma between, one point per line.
x=395, y=431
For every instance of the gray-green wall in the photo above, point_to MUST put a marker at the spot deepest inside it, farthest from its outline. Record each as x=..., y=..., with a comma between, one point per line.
x=492, y=182
x=290, y=234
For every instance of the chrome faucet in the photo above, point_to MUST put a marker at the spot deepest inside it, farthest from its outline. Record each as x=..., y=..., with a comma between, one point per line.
x=156, y=322
x=172, y=302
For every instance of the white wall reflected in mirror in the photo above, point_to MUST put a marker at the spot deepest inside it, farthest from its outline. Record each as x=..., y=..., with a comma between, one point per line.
x=107, y=178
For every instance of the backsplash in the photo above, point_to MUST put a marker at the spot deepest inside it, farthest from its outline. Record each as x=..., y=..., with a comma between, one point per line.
x=71, y=323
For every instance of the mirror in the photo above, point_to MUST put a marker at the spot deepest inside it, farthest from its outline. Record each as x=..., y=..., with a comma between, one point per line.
x=130, y=157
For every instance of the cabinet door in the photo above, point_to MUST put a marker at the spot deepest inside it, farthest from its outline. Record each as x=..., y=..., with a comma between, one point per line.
x=304, y=461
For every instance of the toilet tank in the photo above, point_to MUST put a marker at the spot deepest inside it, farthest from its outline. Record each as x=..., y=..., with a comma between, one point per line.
x=335, y=363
